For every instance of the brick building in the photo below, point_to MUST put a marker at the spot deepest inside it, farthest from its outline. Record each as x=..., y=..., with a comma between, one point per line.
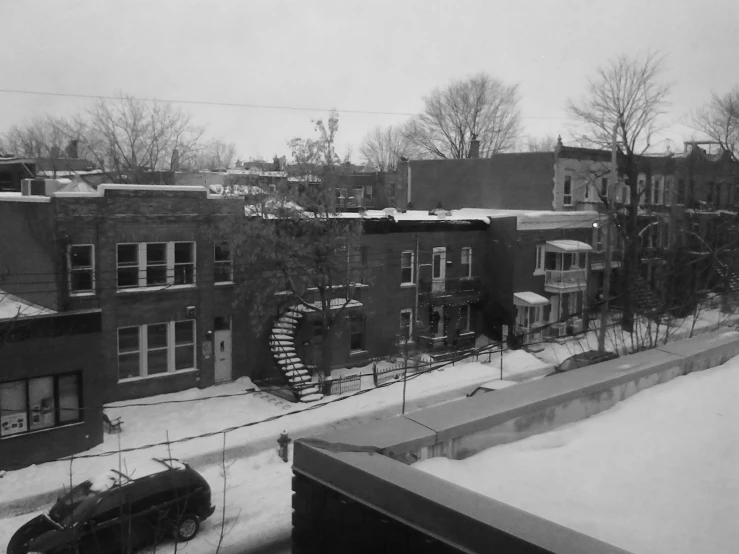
x=154, y=260
x=49, y=406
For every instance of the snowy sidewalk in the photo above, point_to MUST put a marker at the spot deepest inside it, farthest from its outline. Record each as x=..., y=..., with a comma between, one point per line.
x=29, y=488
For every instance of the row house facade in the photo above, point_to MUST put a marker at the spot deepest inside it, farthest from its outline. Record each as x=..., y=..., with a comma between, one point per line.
x=157, y=264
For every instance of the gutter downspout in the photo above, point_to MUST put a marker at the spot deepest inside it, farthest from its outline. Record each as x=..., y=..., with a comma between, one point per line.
x=408, y=188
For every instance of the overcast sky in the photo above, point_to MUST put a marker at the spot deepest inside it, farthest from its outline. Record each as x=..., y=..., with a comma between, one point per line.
x=378, y=56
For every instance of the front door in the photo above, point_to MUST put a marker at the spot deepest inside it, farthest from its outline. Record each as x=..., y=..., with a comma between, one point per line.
x=438, y=269
x=222, y=349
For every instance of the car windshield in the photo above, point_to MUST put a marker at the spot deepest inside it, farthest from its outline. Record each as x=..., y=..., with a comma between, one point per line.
x=68, y=508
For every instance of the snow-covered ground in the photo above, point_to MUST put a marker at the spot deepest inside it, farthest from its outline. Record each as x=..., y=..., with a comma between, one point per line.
x=656, y=473
x=618, y=341
x=144, y=425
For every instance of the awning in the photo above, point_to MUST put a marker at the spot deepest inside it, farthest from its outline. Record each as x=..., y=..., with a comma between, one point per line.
x=567, y=246
x=528, y=299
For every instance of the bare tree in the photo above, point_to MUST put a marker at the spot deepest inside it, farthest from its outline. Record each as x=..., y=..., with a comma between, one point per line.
x=627, y=94
x=539, y=144
x=383, y=147
x=719, y=121
x=127, y=136
x=46, y=137
x=295, y=245
x=216, y=154
x=480, y=107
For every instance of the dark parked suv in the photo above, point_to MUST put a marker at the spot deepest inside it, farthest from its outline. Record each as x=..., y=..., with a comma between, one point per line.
x=121, y=512
x=583, y=359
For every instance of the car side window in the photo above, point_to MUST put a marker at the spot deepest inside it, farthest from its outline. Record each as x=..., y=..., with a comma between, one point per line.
x=110, y=507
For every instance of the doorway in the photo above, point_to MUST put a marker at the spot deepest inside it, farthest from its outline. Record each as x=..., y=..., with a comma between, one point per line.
x=222, y=349
x=438, y=276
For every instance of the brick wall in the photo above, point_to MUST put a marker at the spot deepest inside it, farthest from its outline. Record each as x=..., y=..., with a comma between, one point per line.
x=29, y=257
x=505, y=181
x=74, y=346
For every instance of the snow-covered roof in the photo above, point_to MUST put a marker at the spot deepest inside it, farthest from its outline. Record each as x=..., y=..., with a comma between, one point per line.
x=65, y=173
x=567, y=246
x=529, y=298
x=12, y=306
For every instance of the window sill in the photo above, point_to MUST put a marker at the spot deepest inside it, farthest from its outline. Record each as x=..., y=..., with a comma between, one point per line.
x=47, y=429
x=358, y=352
x=467, y=334
x=538, y=272
x=81, y=294
x=223, y=283
x=407, y=285
x=158, y=375
x=159, y=288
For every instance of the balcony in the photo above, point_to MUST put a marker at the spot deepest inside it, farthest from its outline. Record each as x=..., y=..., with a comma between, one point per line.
x=565, y=280
x=450, y=291
x=598, y=259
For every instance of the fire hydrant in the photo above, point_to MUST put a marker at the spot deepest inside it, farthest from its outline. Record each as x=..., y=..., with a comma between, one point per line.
x=283, y=441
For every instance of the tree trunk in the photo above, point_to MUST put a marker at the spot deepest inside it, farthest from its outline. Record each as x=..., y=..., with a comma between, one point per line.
x=327, y=350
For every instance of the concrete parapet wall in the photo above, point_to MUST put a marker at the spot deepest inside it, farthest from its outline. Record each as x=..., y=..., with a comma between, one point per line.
x=367, y=466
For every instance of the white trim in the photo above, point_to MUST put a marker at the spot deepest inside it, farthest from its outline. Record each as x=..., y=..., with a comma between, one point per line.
x=158, y=288
x=412, y=281
x=469, y=259
x=86, y=292
x=170, y=348
x=540, y=259
x=169, y=265
x=408, y=311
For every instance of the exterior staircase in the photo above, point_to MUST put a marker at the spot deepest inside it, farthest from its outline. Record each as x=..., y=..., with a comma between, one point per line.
x=733, y=280
x=282, y=345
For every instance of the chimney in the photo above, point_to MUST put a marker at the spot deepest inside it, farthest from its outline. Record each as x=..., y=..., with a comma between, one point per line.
x=474, y=147
x=175, y=160
x=54, y=153
x=73, y=150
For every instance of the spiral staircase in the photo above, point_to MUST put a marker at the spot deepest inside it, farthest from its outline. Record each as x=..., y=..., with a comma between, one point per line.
x=282, y=345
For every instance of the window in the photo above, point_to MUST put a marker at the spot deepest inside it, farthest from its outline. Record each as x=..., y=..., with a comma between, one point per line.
x=669, y=190
x=604, y=187
x=464, y=318
x=641, y=188
x=540, y=256
x=156, y=349
x=589, y=189
x=567, y=193
x=406, y=325
x=184, y=263
x=155, y=264
x=39, y=403
x=598, y=238
x=357, y=326
x=368, y=192
x=128, y=265
x=438, y=264
x=658, y=191
x=709, y=192
x=223, y=267
x=272, y=189
x=466, y=261
x=681, y=191
x=82, y=268
x=406, y=267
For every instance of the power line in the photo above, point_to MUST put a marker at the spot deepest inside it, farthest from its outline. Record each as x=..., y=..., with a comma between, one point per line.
x=233, y=104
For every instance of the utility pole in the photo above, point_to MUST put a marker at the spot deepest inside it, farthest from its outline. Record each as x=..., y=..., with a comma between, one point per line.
x=607, y=237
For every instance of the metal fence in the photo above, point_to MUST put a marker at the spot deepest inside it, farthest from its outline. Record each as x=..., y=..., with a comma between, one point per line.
x=350, y=383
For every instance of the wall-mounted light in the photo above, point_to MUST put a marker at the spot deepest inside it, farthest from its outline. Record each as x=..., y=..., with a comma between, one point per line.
x=190, y=312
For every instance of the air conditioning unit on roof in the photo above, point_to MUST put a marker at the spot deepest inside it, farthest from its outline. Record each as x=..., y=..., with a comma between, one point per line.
x=33, y=187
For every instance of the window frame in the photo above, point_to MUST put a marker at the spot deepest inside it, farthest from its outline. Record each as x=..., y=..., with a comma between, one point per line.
x=220, y=264
x=539, y=263
x=410, y=266
x=71, y=270
x=468, y=251
x=465, y=323
x=29, y=412
x=353, y=317
x=143, y=265
x=170, y=348
x=567, y=185
x=404, y=311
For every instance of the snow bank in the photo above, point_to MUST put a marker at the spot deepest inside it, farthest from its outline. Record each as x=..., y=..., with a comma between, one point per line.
x=656, y=473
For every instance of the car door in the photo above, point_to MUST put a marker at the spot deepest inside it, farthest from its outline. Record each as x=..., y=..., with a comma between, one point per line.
x=104, y=530
x=151, y=500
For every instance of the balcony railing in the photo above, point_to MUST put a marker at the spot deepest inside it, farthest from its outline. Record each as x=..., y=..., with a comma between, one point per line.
x=449, y=290
x=564, y=278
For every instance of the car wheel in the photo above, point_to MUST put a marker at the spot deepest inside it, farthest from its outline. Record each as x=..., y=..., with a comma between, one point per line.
x=187, y=527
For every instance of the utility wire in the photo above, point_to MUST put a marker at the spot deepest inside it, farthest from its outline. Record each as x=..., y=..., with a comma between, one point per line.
x=232, y=104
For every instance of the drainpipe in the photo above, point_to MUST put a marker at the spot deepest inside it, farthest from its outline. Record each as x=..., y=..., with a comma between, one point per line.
x=408, y=188
x=416, y=268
